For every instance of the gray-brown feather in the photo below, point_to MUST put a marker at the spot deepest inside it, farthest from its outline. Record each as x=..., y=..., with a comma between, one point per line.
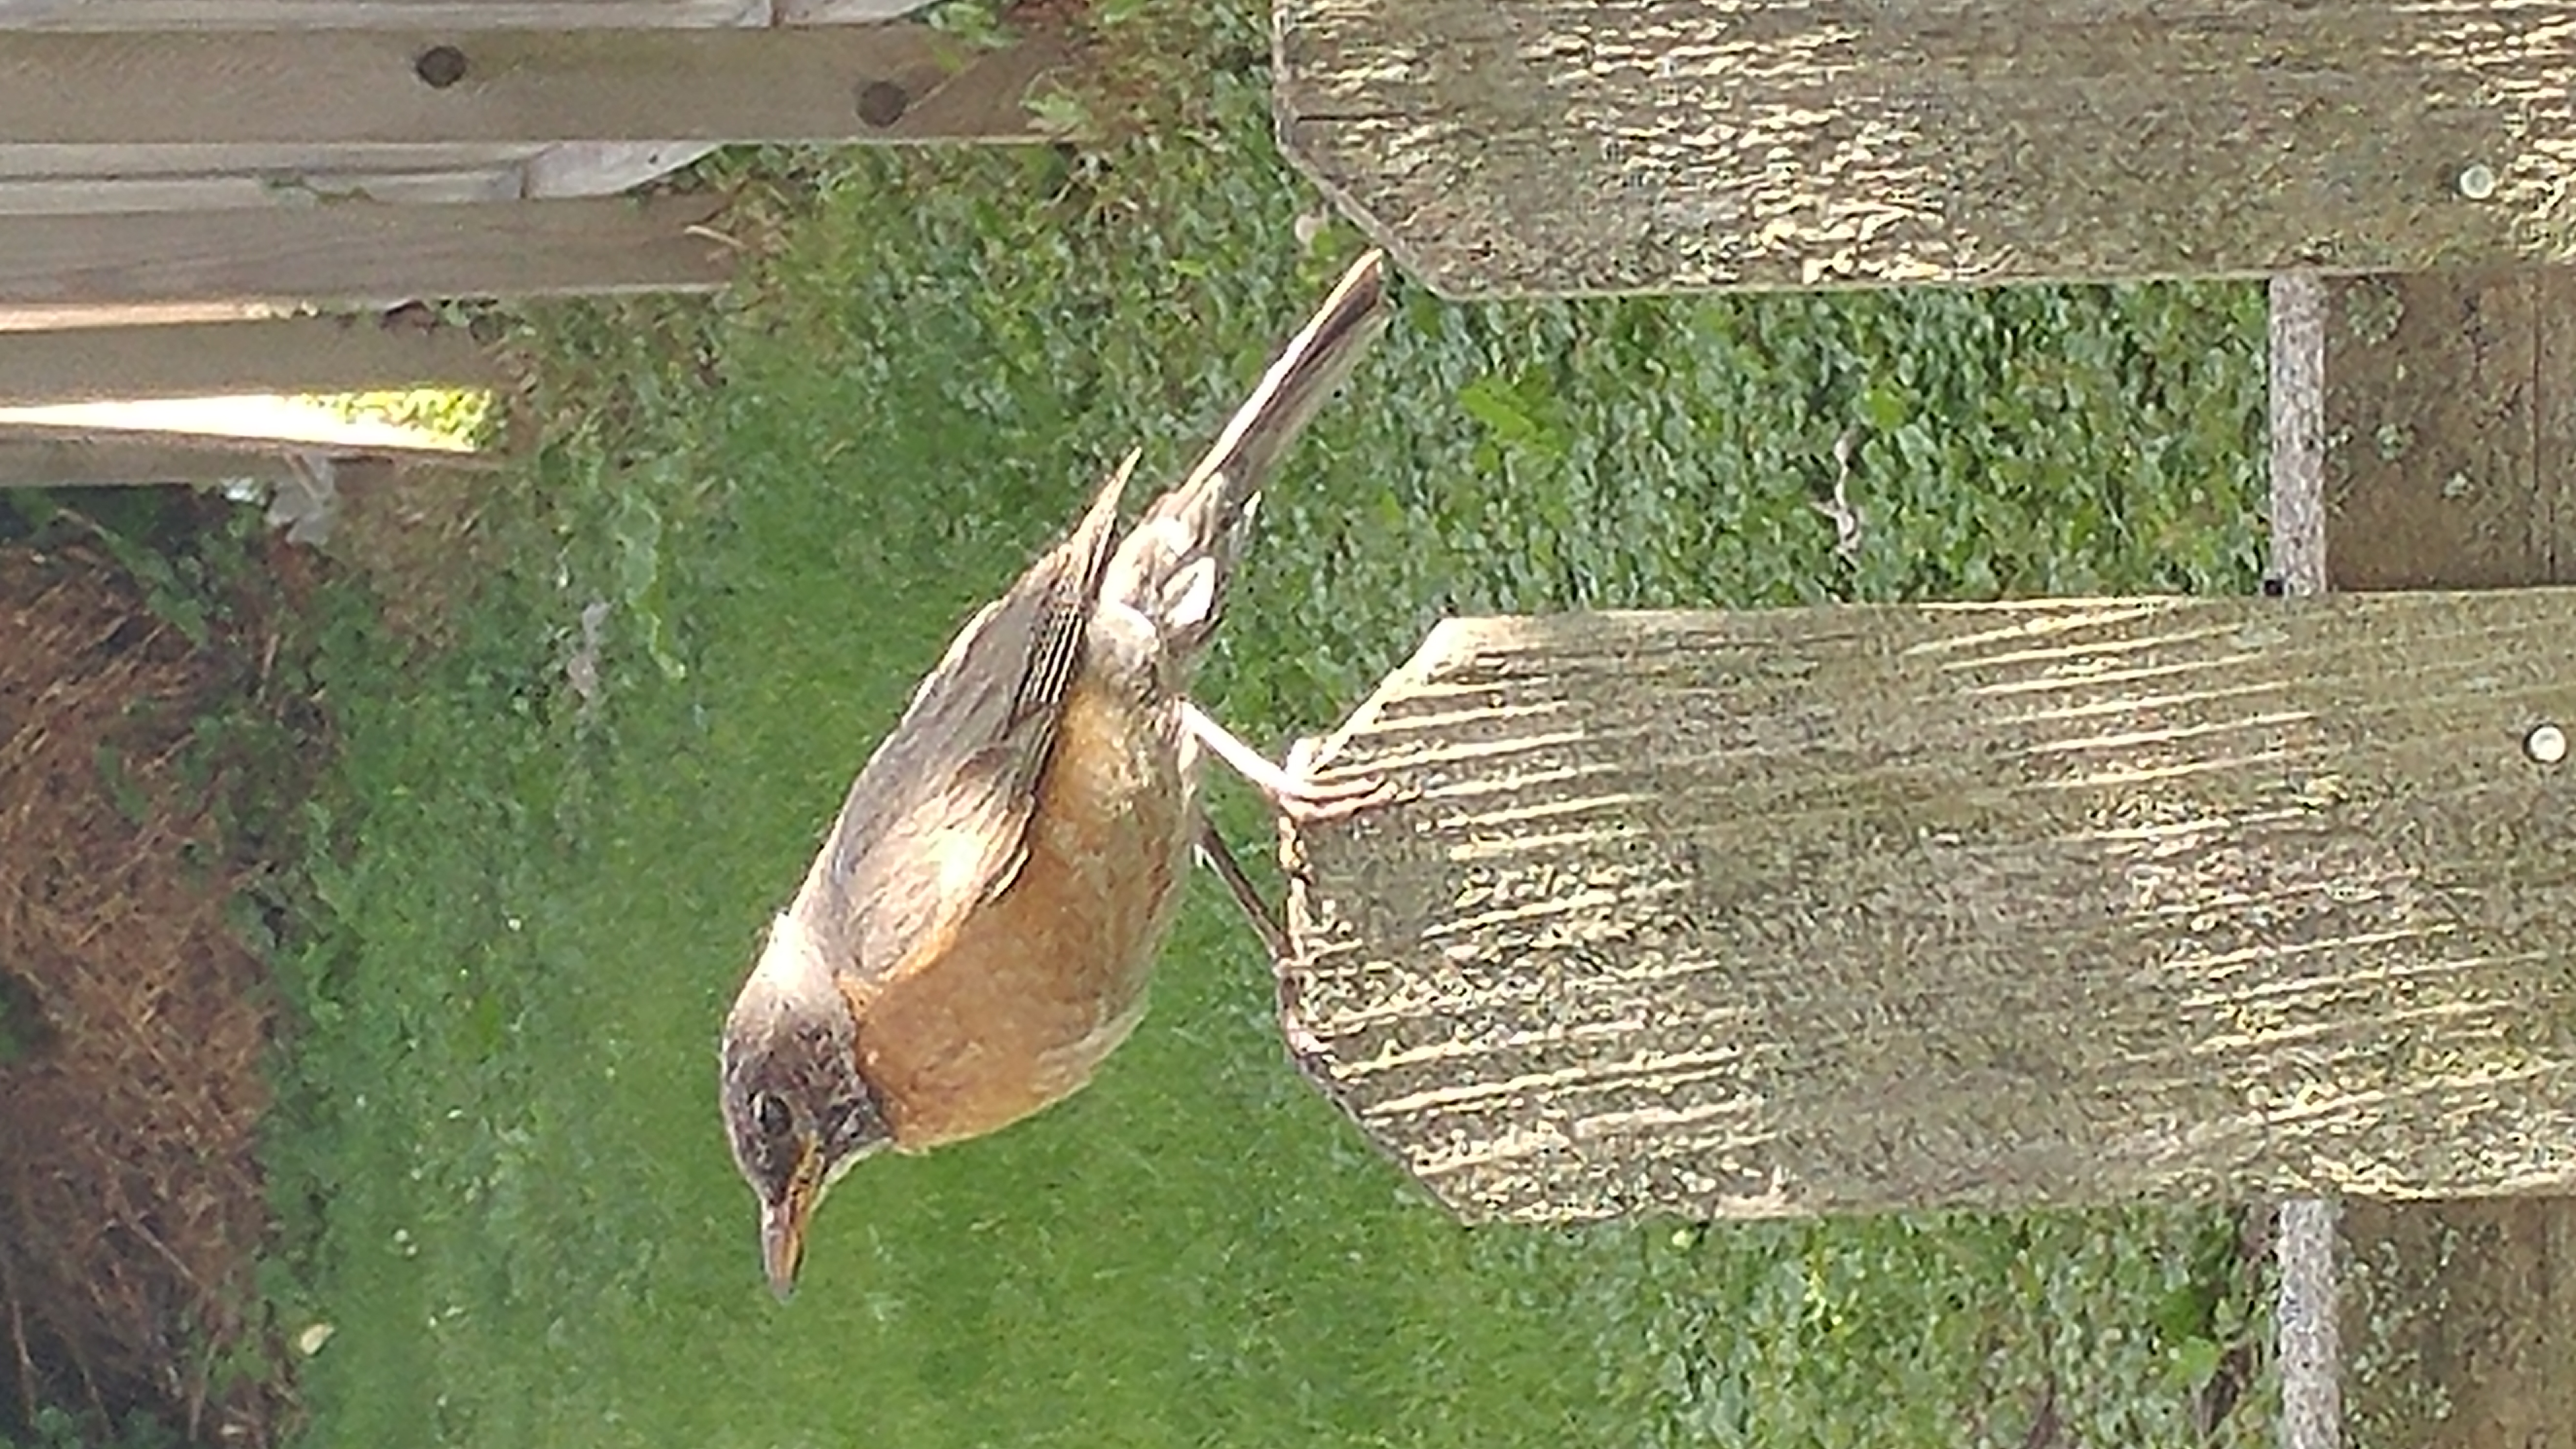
x=1175, y=564
x=936, y=819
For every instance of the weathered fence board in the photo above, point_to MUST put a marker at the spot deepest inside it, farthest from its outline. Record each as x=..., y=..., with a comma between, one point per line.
x=894, y=82
x=1519, y=147
x=69, y=197
x=55, y=179
x=376, y=14
x=1871, y=908
x=2419, y=434
x=280, y=355
x=362, y=251
x=74, y=162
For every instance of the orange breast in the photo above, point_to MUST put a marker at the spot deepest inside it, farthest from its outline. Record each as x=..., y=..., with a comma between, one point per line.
x=1047, y=979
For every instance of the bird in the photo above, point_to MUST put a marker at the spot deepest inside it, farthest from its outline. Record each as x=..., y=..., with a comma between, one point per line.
x=976, y=934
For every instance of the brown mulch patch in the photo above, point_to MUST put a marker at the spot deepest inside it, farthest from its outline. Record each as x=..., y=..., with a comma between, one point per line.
x=133, y=1023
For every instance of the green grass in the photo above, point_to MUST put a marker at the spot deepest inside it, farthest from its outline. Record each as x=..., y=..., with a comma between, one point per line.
x=503, y=1163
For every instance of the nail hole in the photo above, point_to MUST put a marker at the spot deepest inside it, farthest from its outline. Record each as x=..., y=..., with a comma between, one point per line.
x=882, y=103
x=2546, y=744
x=440, y=66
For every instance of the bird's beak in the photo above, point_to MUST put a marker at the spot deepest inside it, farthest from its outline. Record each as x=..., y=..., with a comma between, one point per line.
x=782, y=1224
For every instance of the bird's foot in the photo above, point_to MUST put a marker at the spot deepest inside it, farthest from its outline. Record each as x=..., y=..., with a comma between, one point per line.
x=1291, y=790
x=1266, y=922
x=1312, y=801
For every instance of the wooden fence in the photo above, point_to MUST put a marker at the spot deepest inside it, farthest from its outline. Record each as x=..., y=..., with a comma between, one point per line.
x=2022, y=905
x=2049, y=904
x=202, y=196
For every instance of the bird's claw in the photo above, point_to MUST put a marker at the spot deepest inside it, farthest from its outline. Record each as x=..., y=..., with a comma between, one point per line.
x=1308, y=801
x=1312, y=802
x=1290, y=788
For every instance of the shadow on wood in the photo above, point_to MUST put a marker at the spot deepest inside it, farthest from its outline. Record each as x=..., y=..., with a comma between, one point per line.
x=271, y=355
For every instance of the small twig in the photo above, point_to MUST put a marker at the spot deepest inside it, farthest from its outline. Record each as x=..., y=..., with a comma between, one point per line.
x=703, y=232
x=18, y=1332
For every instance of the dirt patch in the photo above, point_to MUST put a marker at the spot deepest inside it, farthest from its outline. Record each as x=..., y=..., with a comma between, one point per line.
x=133, y=1022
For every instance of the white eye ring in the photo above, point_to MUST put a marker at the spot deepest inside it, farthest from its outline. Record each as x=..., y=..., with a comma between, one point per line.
x=771, y=1113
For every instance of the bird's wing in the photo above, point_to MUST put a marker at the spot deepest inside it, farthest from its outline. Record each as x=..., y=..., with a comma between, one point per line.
x=936, y=821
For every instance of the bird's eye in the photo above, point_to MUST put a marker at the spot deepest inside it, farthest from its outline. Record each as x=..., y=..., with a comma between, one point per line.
x=771, y=1113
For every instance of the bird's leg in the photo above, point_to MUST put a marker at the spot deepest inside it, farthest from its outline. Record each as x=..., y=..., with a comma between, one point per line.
x=1220, y=858
x=1290, y=791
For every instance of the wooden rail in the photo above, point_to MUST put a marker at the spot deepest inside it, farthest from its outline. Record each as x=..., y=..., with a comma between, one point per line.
x=526, y=87
x=1521, y=147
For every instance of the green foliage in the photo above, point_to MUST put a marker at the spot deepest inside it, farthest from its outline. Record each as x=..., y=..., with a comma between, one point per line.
x=522, y=1221
x=461, y=415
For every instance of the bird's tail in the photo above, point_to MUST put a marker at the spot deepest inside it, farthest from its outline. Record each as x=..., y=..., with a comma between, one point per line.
x=1173, y=566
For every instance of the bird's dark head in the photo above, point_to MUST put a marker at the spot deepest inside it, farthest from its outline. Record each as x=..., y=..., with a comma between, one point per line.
x=796, y=1109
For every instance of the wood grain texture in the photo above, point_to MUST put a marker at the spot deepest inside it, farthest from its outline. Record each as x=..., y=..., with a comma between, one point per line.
x=70, y=196
x=1527, y=147
x=284, y=162
x=1869, y=908
x=2295, y=392
x=331, y=88
x=280, y=355
x=201, y=15
x=2448, y=418
x=357, y=251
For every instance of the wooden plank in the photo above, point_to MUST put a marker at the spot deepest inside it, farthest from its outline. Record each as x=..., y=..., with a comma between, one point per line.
x=844, y=12
x=895, y=82
x=375, y=14
x=2015, y=906
x=2437, y=405
x=37, y=457
x=359, y=250
x=65, y=196
x=1524, y=147
x=287, y=161
x=2295, y=389
x=283, y=355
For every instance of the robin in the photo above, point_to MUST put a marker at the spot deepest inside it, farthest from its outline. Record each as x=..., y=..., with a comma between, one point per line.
x=975, y=936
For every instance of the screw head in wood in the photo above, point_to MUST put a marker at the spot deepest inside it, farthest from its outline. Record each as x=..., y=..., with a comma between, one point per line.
x=2546, y=744
x=440, y=66
x=882, y=103
x=2477, y=183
